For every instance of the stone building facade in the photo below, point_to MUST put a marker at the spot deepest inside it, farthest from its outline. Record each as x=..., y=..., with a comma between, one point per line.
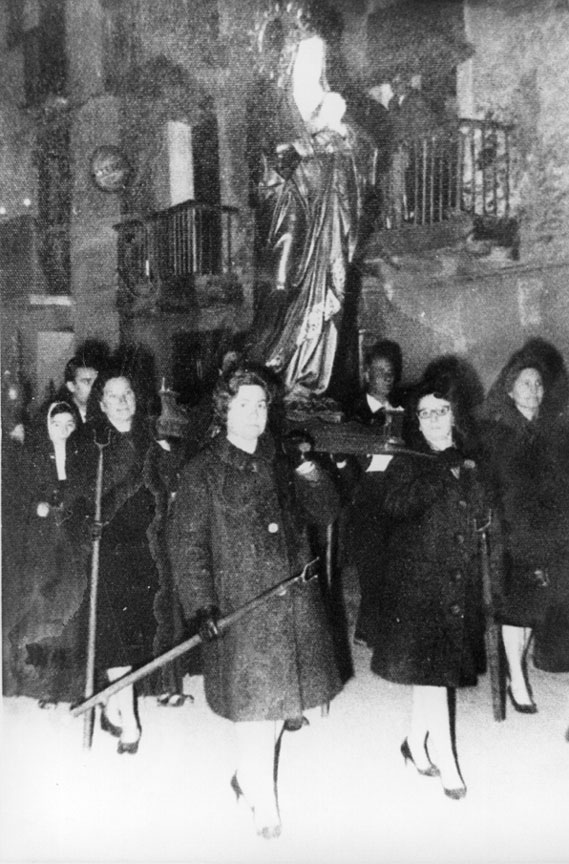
x=164, y=86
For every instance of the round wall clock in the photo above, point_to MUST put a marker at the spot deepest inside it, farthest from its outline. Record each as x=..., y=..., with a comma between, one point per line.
x=109, y=168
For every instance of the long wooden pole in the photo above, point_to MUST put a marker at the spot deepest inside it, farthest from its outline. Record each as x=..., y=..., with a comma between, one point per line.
x=492, y=633
x=184, y=647
x=93, y=589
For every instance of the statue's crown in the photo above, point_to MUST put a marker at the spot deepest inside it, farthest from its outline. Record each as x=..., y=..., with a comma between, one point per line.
x=278, y=29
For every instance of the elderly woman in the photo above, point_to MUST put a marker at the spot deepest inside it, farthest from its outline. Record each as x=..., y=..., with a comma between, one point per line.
x=429, y=623
x=523, y=451
x=134, y=488
x=237, y=530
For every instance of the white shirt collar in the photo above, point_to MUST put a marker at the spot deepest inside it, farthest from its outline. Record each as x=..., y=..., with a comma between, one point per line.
x=375, y=404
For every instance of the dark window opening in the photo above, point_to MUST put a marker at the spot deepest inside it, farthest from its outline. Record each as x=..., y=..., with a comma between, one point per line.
x=15, y=30
x=45, y=61
x=195, y=364
x=54, y=208
x=121, y=48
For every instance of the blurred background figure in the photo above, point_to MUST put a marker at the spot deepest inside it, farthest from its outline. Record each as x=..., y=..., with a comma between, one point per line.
x=411, y=120
x=383, y=368
x=80, y=373
x=366, y=525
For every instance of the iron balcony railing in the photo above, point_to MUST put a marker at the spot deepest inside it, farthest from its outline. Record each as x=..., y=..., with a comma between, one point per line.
x=465, y=169
x=176, y=245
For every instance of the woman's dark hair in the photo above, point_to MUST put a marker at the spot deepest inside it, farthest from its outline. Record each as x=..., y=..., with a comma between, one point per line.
x=535, y=354
x=470, y=390
x=94, y=412
x=228, y=386
x=554, y=373
x=391, y=351
x=513, y=372
x=91, y=354
x=61, y=407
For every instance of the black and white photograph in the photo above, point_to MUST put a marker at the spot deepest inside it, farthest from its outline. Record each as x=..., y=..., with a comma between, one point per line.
x=285, y=431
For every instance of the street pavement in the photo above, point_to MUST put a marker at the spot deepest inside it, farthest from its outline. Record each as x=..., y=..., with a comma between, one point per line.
x=345, y=793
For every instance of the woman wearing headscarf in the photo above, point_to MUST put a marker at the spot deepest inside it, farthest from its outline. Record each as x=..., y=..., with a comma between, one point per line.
x=53, y=571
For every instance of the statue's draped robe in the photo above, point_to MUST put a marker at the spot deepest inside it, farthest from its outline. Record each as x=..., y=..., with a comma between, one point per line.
x=307, y=222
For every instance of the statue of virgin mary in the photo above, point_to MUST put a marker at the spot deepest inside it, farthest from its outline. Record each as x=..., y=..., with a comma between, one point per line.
x=310, y=173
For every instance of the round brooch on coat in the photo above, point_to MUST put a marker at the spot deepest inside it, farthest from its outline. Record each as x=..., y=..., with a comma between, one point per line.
x=273, y=527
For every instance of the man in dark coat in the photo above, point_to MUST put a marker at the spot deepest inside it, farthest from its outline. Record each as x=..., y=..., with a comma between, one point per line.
x=367, y=525
x=237, y=530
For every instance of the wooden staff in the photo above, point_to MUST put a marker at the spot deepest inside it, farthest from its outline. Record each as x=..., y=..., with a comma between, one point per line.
x=101, y=697
x=93, y=588
x=492, y=636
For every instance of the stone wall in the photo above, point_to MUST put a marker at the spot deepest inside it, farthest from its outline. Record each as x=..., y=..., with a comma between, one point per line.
x=438, y=303
x=520, y=75
x=432, y=303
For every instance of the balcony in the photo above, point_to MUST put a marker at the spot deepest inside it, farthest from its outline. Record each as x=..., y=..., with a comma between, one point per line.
x=439, y=188
x=178, y=257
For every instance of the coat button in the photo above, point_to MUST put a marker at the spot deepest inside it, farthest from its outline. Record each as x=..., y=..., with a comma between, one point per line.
x=455, y=609
x=273, y=528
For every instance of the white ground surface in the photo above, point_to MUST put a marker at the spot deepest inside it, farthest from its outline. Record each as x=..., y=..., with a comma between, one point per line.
x=345, y=794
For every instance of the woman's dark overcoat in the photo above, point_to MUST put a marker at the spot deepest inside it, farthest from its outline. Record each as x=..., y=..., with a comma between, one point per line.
x=41, y=608
x=429, y=624
x=132, y=571
x=236, y=531
x=530, y=492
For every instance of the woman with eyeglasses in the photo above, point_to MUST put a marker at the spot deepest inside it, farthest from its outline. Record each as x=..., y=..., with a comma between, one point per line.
x=429, y=623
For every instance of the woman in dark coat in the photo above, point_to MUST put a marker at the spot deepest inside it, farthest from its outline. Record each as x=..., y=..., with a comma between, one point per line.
x=44, y=639
x=524, y=461
x=237, y=530
x=134, y=498
x=429, y=622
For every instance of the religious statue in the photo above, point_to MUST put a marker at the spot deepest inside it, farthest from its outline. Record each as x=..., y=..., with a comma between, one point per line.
x=311, y=170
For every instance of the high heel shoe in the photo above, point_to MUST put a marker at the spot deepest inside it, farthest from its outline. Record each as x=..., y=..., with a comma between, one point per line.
x=108, y=726
x=130, y=747
x=173, y=700
x=521, y=707
x=431, y=771
x=268, y=832
x=455, y=794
